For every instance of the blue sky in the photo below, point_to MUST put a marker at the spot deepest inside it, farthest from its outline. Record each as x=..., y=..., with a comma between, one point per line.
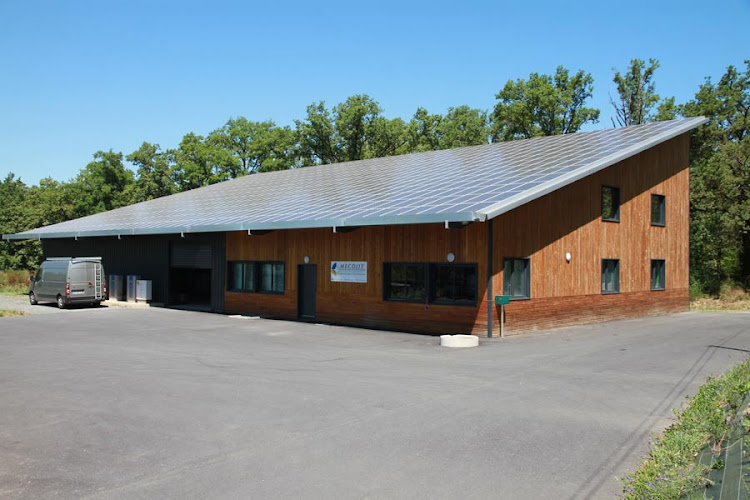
x=78, y=77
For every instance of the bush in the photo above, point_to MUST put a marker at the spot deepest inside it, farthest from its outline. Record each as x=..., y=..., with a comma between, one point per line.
x=15, y=282
x=732, y=292
x=696, y=289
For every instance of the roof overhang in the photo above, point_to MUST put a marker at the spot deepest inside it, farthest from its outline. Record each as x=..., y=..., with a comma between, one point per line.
x=259, y=226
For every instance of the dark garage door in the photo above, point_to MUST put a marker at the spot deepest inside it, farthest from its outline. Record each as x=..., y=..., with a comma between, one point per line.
x=190, y=274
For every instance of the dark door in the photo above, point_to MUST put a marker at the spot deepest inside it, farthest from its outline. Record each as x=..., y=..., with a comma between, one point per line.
x=306, y=287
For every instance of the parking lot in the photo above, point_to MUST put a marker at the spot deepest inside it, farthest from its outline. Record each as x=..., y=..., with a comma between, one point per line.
x=132, y=403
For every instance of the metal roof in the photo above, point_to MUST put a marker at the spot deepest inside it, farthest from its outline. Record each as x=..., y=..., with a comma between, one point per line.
x=455, y=185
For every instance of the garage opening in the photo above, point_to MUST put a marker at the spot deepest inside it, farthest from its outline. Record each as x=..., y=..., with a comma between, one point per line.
x=190, y=276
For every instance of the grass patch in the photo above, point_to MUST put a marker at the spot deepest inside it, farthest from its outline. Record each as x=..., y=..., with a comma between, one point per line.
x=6, y=313
x=731, y=297
x=14, y=282
x=671, y=471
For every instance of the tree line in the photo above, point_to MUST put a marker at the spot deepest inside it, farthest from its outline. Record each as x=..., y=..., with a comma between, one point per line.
x=357, y=128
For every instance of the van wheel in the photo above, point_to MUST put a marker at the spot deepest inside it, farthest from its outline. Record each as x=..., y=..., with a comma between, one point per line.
x=32, y=299
x=60, y=302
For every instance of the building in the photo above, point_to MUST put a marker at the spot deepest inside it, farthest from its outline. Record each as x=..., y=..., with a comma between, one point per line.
x=574, y=228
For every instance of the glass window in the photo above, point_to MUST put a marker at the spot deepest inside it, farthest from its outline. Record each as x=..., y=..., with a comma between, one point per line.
x=657, y=275
x=454, y=283
x=243, y=277
x=404, y=281
x=610, y=203
x=235, y=276
x=517, y=278
x=658, y=210
x=610, y=275
x=248, y=280
x=272, y=277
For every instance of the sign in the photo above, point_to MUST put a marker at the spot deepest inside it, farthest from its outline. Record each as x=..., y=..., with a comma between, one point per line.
x=349, y=271
x=502, y=300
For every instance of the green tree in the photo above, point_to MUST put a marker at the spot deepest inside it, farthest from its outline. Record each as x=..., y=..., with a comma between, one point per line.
x=720, y=180
x=198, y=162
x=352, y=131
x=636, y=92
x=258, y=146
x=317, y=139
x=153, y=174
x=543, y=105
x=388, y=137
x=463, y=126
x=422, y=131
x=13, y=219
x=101, y=185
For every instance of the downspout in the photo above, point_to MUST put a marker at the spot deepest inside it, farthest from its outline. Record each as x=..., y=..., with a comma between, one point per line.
x=490, y=297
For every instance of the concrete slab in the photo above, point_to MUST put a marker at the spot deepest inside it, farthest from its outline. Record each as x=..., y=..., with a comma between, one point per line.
x=151, y=403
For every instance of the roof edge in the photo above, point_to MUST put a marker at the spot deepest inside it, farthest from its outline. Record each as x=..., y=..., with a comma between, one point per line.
x=523, y=198
x=267, y=226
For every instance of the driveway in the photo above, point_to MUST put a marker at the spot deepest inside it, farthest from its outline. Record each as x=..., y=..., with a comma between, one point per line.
x=119, y=403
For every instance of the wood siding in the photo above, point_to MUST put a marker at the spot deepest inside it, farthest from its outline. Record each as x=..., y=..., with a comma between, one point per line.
x=362, y=304
x=567, y=220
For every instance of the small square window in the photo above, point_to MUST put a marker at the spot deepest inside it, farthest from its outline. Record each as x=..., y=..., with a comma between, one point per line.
x=657, y=274
x=658, y=210
x=517, y=278
x=610, y=276
x=610, y=204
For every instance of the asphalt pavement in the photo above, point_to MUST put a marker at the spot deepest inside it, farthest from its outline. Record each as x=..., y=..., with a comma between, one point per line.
x=156, y=403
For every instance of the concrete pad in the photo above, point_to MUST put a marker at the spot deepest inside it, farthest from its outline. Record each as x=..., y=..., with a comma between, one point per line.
x=116, y=403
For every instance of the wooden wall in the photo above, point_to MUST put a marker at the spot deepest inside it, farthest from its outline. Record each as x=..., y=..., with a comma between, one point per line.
x=362, y=303
x=567, y=220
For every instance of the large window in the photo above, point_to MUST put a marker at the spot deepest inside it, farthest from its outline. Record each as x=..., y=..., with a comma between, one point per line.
x=405, y=281
x=610, y=204
x=248, y=276
x=610, y=275
x=517, y=278
x=658, y=210
x=453, y=284
x=657, y=274
x=434, y=283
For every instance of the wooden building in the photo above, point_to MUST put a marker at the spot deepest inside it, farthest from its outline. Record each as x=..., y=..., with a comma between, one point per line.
x=574, y=229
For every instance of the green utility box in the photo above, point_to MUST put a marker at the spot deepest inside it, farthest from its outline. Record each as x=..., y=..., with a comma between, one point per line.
x=502, y=300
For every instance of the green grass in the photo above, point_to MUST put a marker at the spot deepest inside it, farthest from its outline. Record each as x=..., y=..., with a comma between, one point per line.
x=6, y=313
x=670, y=471
x=14, y=282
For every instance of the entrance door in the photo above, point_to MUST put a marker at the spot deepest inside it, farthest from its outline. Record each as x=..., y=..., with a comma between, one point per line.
x=306, y=286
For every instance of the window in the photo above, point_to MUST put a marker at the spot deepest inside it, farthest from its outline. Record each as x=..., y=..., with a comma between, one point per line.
x=264, y=277
x=272, y=277
x=516, y=278
x=453, y=284
x=405, y=282
x=610, y=204
x=610, y=276
x=657, y=274
x=658, y=210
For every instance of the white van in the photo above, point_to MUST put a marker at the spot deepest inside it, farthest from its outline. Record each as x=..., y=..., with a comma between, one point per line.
x=69, y=280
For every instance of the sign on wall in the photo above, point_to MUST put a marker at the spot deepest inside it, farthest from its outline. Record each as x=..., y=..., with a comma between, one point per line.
x=349, y=271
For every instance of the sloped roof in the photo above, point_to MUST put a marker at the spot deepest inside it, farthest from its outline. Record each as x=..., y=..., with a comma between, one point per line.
x=456, y=185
